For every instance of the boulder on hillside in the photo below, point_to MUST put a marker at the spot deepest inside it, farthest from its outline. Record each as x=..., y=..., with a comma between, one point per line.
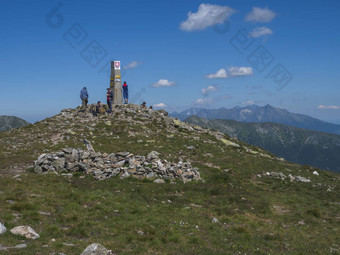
x=25, y=231
x=3, y=229
x=96, y=249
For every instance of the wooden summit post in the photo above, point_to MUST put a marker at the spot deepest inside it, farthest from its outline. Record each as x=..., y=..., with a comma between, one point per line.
x=116, y=83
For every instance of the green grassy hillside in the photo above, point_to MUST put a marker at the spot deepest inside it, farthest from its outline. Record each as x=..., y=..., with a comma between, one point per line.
x=298, y=145
x=257, y=211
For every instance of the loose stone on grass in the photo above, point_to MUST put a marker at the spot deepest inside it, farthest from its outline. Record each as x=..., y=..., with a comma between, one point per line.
x=159, y=181
x=96, y=249
x=25, y=231
x=20, y=246
x=215, y=220
x=3, y=229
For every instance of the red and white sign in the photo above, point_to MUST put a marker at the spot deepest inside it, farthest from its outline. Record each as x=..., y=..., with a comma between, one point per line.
x=117, y=65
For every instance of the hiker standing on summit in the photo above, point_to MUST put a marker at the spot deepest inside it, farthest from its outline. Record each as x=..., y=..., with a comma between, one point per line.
x=84, y=96
x=125, y=93
x=109, y=98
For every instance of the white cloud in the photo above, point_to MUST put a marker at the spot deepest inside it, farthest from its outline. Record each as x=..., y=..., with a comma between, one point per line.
x=207, y=15
x=160, y=105
x=249, y=102
x=164, y=83
x=224, y=97
x=208, y=89
x=231, y=72
x=261, y=31
x=328, y=107
x=220, y=74
x=132, y=65
x=240, y=71
x=263, y=15
x=204, y=101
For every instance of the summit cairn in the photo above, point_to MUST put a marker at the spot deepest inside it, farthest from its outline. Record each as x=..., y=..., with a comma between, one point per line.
x=123, y=164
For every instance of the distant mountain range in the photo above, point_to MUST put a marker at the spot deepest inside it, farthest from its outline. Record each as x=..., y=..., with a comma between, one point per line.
x=298, y=145
x=9, y=122
x=255, y=113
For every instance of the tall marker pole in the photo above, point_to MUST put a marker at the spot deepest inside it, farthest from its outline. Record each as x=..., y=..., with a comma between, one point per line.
x=116, y=83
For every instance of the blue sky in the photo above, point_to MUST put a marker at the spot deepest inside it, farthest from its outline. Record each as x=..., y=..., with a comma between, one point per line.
x=177, y=54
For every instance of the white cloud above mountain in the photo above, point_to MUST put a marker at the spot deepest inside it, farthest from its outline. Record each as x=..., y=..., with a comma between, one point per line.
x=208, y=101
x=224, y=97
x=262, y=15
x=204, y=101
x=160, y=105
x=163, y=83
x=206, y=16
x=328, y=107
x=132, y=65
x=249, y=102
x=260, y=31
x=207, y=90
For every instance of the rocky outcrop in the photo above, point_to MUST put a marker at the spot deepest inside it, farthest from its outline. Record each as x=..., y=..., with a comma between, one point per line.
x=123, y=164
x=134, y=114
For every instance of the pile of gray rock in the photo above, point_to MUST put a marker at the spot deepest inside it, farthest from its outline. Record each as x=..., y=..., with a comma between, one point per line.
x=123, y=164
x=282, y=176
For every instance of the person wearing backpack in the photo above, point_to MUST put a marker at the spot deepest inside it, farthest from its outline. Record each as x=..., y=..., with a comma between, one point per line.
x=125, y=93
x=84, y=96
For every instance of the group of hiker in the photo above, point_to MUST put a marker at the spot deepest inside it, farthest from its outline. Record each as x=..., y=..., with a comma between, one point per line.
x=84, y=96
x=143, y=105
